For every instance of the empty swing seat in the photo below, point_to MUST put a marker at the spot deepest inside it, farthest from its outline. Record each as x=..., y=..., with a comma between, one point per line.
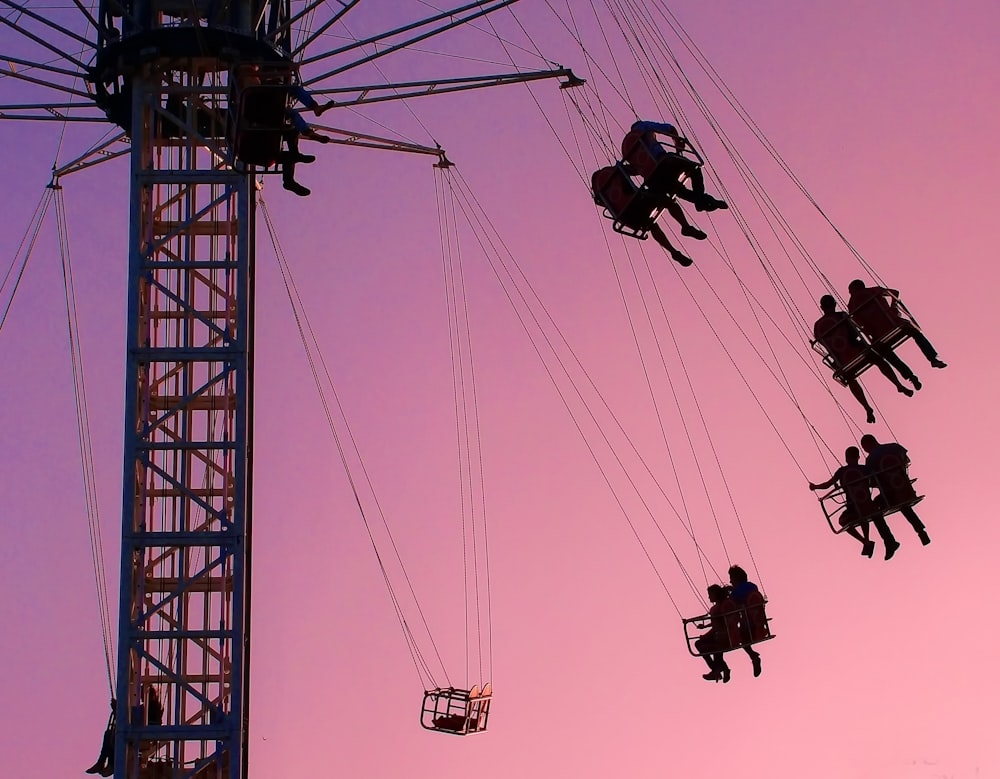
x=455, y=711
x=258, y=116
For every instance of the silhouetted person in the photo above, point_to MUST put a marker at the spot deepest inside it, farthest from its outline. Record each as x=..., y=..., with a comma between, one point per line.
x=614, y=189
x=722, y=635
x=860, y=510
x=661, y=169
x=878, y=318
x=888, y=464
x=299, y=127
x=266, y=111
x=153, y=707
x=105, y=765
x=848, y=350
x=753, y=621
x=454, y=723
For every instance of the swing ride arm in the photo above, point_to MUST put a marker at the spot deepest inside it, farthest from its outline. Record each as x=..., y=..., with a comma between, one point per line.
x=380, y=93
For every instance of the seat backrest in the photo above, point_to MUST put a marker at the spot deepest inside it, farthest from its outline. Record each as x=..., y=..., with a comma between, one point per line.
x=614, y=189
x=639, y=150
x=873, y=313
x=838, y=336
x=729, y=612
x=755, y=616
x=856, y=483
x=894, y=480
x=259, y=111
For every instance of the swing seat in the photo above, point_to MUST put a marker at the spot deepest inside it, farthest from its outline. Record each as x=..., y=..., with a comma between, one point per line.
x=456, y=711
x=885, y=325
x=635, y=222
x=895, y=493
x=842, y=353
x=841, y=517
x=895, y=487
x=629, y=207
x=754, y=623
x=258, y=115
x=660, y=169
x=753, y=627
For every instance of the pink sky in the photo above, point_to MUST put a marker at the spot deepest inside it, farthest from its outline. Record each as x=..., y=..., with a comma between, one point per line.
x=887, y=112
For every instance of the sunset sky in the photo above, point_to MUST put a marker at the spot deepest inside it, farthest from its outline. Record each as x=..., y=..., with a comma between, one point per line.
x=887, y=115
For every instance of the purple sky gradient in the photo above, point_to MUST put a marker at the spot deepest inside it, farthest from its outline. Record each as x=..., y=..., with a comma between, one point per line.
x=886, y=112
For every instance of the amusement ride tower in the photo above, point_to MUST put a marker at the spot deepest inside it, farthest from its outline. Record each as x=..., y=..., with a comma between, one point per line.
x=203, y=92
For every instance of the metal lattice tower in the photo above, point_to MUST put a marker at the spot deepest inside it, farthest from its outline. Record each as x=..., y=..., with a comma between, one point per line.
x=183, y=615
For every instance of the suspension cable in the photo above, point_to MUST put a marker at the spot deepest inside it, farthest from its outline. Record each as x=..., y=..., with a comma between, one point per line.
x=357, y=475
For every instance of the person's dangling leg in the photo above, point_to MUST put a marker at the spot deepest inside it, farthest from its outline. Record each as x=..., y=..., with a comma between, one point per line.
x=886, y=370
x=891, y=544
x=924, y=345
x=676, y=255
x=859, y=394
x=916, y=523
x=673, y=208
x=105, y=762
x=288, y=161
x=888, y=354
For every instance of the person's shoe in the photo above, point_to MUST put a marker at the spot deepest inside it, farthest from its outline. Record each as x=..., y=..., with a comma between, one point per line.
x=306, y=158
x=312, y=135
x=95, y=768
x=868, y=549
x=298, y=189
x=320, y=109
x=755, y=661
x=915, y=382
x=924, y=538
x=107, y=771
x=871, y=417
x=712, y=676
x=725, y=674
x=681, y=259
x=890, y=549
x=936, y=363
x=693, y=232
x=905, y=391
x=709, y=203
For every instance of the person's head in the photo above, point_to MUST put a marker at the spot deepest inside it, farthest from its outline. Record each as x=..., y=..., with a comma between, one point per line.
x=853, y=454
x=856, y=286
x=868, y=442
x=828, y=303
x=717, y=593
x=737, y=575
